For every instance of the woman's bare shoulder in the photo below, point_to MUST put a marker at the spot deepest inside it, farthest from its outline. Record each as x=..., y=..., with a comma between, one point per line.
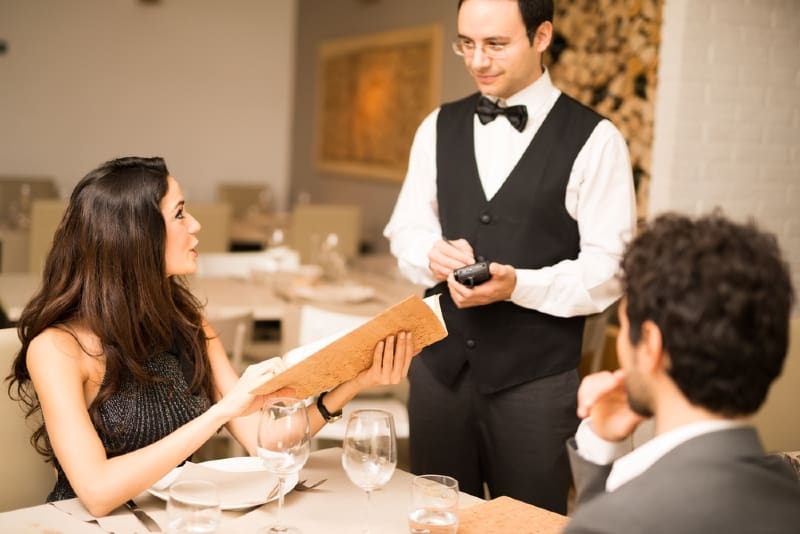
x=58, y=341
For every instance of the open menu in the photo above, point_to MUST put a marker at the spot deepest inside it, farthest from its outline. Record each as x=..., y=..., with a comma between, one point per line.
x=323, y=365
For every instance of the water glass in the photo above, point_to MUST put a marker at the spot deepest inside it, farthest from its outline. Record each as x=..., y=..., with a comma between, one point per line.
x=193, y=506
x=434, y=505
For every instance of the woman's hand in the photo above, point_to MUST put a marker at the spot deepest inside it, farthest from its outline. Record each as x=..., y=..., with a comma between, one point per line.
x=239, y=401
x=390, y=361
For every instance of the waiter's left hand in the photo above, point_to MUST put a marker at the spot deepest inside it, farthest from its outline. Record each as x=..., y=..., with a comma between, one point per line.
x=498, y=287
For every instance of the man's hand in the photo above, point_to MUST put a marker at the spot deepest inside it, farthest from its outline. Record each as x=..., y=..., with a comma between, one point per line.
x=603, y=397
x=447, y=256
x=498, y=287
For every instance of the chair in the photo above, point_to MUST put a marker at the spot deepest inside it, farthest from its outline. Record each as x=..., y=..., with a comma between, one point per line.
x=303, y=324
x=245, y=198
x=215, y=218
x=27, y=479
x=46, y=215
x=234, y=331
x=310, y=223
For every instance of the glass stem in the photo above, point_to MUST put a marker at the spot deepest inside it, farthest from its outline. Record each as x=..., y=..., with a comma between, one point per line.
x=279, y=526
x=368, y=515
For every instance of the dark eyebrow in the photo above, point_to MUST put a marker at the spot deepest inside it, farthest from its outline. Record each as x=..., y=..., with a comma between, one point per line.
x=486, y=39
x=180, y=204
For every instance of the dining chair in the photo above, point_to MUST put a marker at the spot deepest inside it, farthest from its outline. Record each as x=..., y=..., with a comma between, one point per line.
x=233, y=330
x=309, y=224
x=46, y=214
x=27, y=479
x=215, y=218
x=245, y=198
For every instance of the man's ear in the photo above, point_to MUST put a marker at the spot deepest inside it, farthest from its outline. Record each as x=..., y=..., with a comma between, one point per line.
x=543, y=36
x=650, y=348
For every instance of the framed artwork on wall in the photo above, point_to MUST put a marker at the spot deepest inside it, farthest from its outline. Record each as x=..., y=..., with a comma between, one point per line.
x=374, y=90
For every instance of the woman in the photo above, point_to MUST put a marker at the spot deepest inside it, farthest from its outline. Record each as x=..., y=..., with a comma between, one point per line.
x=129, y=376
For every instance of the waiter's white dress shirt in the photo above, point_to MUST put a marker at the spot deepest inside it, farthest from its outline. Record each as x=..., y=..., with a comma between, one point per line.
x=600, y=197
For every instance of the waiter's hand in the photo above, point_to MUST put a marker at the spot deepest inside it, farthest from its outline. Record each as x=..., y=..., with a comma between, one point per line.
x=446, y=256
x=498, y=287
x=603, y=397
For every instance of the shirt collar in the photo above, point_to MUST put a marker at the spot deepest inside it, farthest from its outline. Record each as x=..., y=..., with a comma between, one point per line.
x=642, y=458
x=538, y=97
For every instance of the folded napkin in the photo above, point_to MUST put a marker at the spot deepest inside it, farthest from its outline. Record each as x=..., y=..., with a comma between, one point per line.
x=120, y=521
x=237, y=489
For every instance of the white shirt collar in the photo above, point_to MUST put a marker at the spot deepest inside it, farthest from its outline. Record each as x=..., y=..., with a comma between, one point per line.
x=537, y=97
x=642, y=458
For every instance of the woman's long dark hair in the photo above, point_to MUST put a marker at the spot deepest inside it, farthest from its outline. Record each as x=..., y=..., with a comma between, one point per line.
x=106, y=271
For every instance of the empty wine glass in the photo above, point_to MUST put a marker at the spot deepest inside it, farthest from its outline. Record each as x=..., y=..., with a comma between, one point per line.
x=283, y=446
x=369, y=453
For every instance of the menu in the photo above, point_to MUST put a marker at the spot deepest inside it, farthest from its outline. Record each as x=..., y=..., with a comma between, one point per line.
x=325, y=364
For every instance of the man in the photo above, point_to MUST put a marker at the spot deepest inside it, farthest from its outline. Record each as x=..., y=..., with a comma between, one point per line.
x=703, y=333
x=545, y=195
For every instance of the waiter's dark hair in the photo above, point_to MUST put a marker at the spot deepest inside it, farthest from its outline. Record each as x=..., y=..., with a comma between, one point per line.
x=721, y=295
x=533, y=12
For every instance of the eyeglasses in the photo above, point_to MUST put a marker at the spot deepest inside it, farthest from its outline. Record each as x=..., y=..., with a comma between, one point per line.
x=467, y=47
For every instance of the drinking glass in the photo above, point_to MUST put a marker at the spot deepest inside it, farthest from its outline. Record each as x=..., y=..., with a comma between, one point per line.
x=434, y=505
x=193, y=507
x=369, y=453
x=283, y=446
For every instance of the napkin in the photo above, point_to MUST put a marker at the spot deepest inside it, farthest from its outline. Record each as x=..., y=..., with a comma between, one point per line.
x=120, y=521
x=236, y=488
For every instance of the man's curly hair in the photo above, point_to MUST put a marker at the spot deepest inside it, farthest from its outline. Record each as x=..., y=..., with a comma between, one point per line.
x=721, y=295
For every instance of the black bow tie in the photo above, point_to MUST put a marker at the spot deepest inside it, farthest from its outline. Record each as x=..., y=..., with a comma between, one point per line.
x=488, y=111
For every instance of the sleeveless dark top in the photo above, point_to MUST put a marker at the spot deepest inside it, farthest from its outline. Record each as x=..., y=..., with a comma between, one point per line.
x=140, y=414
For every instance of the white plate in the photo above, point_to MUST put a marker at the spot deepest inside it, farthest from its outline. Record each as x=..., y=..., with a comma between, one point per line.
x=232, y=465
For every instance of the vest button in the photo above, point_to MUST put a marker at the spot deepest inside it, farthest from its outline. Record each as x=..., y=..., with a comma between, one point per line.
x=486, y=218
x=471, y=343
x=480, y=258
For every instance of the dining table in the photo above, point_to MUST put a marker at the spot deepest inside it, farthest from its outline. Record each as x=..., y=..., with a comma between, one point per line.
x=336, y=506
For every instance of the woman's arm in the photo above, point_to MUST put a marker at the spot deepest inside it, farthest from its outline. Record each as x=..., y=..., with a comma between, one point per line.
x=61, y=373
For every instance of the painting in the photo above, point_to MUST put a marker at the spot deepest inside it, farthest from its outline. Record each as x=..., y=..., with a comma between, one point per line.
x=374, y=91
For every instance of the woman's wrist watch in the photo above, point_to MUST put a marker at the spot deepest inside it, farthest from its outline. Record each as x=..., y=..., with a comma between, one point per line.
x=328, y=416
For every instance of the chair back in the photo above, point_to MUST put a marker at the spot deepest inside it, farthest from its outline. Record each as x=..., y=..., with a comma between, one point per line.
x=233, y=331
x=245, y=199
x=310, y=223
x=46, y=215
x=27, y=479
x=215, y=218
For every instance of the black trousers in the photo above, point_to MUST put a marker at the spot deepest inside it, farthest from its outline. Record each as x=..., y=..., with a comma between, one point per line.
x=513, y=440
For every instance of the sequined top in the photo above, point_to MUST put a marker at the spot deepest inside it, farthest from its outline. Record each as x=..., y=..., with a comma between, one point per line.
x=140, y=414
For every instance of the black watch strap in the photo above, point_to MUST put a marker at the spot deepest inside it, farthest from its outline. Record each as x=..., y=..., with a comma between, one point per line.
x=328, y=416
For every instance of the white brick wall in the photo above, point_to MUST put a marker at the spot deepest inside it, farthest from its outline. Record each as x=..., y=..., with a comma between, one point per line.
x=727, y=126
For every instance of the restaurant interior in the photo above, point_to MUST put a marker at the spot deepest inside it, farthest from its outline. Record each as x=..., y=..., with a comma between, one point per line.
x=292, y=158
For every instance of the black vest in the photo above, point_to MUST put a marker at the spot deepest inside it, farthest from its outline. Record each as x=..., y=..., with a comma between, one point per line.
x=525, y=225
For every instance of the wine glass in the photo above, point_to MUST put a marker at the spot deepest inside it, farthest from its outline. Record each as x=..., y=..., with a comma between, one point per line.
x=193, y=506
x=283, y=446
x=369, y=453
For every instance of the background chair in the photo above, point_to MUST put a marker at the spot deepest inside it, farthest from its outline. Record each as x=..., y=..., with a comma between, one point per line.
x=215, y=217
x=27, y=479
x=46, y=214
x=310, y=223
x=245, y=199
x=233, y=331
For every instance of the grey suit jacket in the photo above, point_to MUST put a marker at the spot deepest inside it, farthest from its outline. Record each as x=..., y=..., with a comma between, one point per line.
x=718, y=482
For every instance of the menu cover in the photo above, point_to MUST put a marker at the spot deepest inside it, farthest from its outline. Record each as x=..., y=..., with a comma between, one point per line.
x=347, y=355
x=504, y=514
